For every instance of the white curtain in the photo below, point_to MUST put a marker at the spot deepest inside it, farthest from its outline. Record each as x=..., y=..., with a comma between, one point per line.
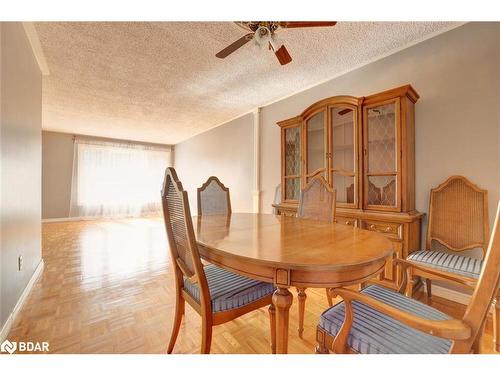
x=112, y=179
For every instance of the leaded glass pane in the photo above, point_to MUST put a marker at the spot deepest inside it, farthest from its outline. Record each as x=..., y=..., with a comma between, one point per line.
x=292, y=151
x=382, y=138
x=382, y=190
x=292, y=188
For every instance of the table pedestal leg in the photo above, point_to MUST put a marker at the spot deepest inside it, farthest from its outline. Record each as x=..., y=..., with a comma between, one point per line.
x=282, y=300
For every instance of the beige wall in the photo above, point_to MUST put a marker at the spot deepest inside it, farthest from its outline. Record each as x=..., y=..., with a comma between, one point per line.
x=457, y=117
x=57, y=169
x=225, y=152
x=21, y=108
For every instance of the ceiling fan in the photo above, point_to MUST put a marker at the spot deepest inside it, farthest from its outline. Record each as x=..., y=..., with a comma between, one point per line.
x=263, y=33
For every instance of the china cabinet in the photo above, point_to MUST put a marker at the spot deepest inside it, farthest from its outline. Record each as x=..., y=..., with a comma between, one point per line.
x=365, y=148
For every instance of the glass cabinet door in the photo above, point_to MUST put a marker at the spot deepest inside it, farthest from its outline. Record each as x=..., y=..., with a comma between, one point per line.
x=343, y=167
x=381, y=148
x=291, y=189
x=315, y=146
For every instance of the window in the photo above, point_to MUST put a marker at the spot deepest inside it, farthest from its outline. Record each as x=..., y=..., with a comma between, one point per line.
x=117, y=179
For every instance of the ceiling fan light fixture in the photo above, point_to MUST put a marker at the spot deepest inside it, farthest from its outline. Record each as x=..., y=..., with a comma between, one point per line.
x=262, y=36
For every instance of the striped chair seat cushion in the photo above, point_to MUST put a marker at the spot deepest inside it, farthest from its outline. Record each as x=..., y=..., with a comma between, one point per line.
x=458, y=264
x=375, y=333
x=229, y=290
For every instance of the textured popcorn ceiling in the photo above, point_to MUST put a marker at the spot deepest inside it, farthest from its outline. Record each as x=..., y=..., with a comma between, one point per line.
x=161, y=82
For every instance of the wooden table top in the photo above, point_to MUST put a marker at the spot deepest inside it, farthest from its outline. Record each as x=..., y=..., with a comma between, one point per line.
x=293, y=243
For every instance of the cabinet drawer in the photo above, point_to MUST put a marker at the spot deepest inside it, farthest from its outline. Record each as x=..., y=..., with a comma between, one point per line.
x=346, y=220
x=390, y=229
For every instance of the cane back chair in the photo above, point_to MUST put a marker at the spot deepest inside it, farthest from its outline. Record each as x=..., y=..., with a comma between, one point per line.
x=381, y=320
x=216, y=294
x=213, y=198
x=458, y=221
x=317, y=202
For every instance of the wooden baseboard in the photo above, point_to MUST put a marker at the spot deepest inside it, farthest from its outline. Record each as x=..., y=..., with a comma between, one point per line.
x=450, y=294
x=93, y=218
x=4, y=332
x=61, y=219
x=453, y=295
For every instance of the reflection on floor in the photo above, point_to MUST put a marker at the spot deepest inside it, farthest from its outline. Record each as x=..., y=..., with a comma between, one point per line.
x=107, y=287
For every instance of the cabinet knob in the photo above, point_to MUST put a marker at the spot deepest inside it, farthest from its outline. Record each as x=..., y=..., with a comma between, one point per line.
x=388, y=229
x=372, y=227
x=348, y=222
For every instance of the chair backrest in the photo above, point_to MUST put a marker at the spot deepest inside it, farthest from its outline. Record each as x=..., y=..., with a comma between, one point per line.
x=213, y=198
x=485, y=290
x=180, y=233
x=317, y=201
x=458, y=216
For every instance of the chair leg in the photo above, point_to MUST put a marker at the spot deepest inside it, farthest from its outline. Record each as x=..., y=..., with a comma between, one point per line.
x=179, y=312
x=476, y=346
x=321, y=349
x=496, y=323
x=272, y=320
x=428, y=285
x=409, y=283
x=206, y=336
x=329, y=297
x=301, y=296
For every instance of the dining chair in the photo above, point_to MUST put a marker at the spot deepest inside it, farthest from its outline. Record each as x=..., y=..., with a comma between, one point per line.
x=213, y=198
x=458, y=221
x=382, y=320
x=316, y=202
x=215, y=293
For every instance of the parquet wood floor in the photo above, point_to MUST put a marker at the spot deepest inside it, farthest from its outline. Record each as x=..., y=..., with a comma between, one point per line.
x=107, y=287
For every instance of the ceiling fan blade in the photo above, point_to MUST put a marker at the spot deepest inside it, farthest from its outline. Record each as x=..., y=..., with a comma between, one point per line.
x=297, y=24
x=283, y=55
x=234, y=46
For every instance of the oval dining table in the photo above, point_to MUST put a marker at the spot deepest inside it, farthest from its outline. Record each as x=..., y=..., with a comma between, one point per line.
x=288, y=251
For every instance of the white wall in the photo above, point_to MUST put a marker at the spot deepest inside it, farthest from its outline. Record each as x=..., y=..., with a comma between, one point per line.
x=21, y=122
x=225, y=152
x=457, y=118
